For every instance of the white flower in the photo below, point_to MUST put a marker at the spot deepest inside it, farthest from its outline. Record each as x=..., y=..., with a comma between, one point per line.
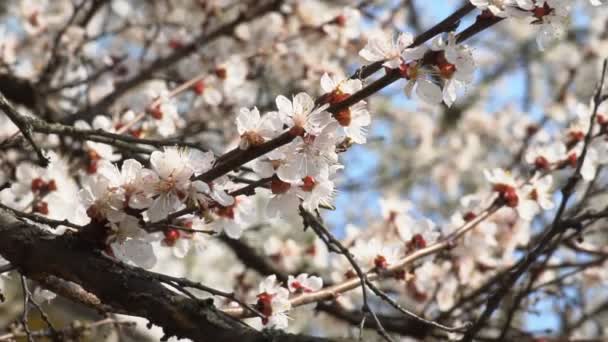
x=165, y=115
x=273, y=303
x=300, y=113
x=447, y=294
x=182, y=240
x=97, y=151
x=208, y=89
x=417, y=234
x=49, y=191
x=345, y=26
x=552, y=16
x=233, y=219
x=132, y=178
x=455, y=67
x=232, y=73
x=304, y=283
x=338, y=85
x=354, y=121
x=373, y=253
x=535, y=197
x=392, y=207
x=309, y=156
x=254, y=129
x=316, y=191
x=285, y=200
x=495, y=6
x=417, y=81
x=129, y=243
x=173, y=168
x=500, y=176
x=103, y=198
x=383, y=48
x=203, y=192
x=544, y=156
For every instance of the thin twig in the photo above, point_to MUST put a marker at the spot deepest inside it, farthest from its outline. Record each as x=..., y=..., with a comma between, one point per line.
x=24, y=126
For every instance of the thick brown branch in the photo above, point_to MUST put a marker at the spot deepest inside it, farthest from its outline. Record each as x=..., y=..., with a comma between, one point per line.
x=120, y=287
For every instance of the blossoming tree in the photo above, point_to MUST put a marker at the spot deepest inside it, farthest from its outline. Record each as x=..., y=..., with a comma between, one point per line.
x=303, y=170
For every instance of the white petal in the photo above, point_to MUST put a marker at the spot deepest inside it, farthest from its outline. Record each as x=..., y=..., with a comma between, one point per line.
x=428, y=92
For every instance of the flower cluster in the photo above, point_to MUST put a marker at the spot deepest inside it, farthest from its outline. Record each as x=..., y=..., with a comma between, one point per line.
x=273, y=299
x=436, y=73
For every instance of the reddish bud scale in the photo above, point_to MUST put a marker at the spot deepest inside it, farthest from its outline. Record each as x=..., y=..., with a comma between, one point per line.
x=312, y=250
x=297, y=131
x=41, y=207
x=227, y=212
x=297, y=286
x=350, y=274
x=199, y=87
x=407, y=71
x=341, y=20
x=343, y=117
x=338, y=96
x=176, y=44
x=94, y=214
x=470, y=216
x=264, y=304
x=171, y=237
x=533, y=195
x=507, y=194
x=380, y=262
x=532, y=129
x=419, y=241
x=156, y=112
x=253, y=138
x=136, y=132
x=510, y=198
x=486, y=14
x=540, y=11
x=400, y=275
x=33, y=19
x=392, y=216
x=221, y=73
x=572, y=159
x=92, y=167
x=308, y=183
x=92, y=155
x=601, y=120
x=277, y=186
x=541, y=163
x=576, y=136
x=447, y=70
x=37, y=184
x=334, y=97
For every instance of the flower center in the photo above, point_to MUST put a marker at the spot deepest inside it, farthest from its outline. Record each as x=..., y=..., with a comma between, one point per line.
x=309, y=183
x=199, y=87
x=541, y=163
x=380, y=262
x=540, y=11
x=277, y=186
x=343, y=117
x=171, y=237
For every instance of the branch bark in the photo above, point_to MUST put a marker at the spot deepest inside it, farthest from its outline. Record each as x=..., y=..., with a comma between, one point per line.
x=40, y=255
